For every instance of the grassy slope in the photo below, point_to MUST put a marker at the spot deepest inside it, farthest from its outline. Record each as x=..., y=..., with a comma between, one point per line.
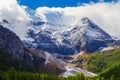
x=106, y=63
x=98, y=62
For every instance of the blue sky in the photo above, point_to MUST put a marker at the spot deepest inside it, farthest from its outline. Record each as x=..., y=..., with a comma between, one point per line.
x=55, y=3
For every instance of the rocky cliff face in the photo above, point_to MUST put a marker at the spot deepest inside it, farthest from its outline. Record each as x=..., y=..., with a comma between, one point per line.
x=35, y=60
x=11, y=43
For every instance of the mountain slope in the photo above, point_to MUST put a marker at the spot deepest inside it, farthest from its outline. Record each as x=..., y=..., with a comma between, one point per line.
x=35, y=60
x=72, y=40
x=100, y=61
x=91, y=37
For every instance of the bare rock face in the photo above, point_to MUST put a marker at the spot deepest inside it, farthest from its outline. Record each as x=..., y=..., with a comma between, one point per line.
x=34, y=60
x=11, y=43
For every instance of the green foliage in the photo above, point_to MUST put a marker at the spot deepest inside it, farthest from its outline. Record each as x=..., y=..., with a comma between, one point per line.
x=98, y=62
x=112, y=73
x=12, y=74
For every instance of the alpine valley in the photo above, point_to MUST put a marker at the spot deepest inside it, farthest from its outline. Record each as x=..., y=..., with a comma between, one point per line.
x=47, y=45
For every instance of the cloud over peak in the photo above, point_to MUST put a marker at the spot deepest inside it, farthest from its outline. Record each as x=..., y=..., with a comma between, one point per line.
x=105, y=15
x=11, y=9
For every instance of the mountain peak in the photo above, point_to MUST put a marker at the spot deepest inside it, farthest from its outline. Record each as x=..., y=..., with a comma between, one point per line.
x=85, y=19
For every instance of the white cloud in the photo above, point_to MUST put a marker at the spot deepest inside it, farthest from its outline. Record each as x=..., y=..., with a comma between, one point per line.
x=14, y=14
x=11, y=9
x=106, y=15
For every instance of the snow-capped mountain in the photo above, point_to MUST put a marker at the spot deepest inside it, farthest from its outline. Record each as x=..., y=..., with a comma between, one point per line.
x=68, y=39
x=90, y=37
x=56, y=33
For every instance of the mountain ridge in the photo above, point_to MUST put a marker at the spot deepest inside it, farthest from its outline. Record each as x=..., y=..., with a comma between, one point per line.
x=60, y=38
x=34, y=60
